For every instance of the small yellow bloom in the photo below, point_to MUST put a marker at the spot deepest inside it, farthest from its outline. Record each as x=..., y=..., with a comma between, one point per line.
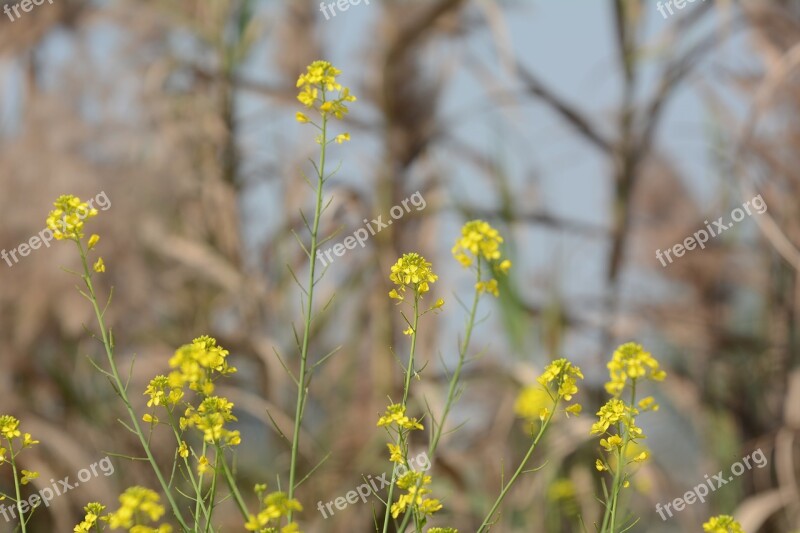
x=642, y=457
x=342, y=137
x=301, y=117
x=150, y=419
x=93, y=241
x=203, y=465
x=408, y=331
x=396, y=454
x=722, y=524
x=28, y=441
x=543, y=413
x=28, y=476
x=99, y=266
x=599, y=465
x=574, y=409
x=183, y=450
x=411, y=271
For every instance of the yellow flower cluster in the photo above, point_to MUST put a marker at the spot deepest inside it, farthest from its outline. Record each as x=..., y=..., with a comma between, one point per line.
x=199, y=364
x=161, y=393
x=210, y=418
x=67, y=219
x=414, y=483
x=479, y=240
x=138, y=503
x=9, y=430
x=631, y=361
x=274, y=506
x=315, y=84
x=414, y=272
x=89, y=522
x=442, y=530
x=556, y=383
x=396, y=414
x=722, y=524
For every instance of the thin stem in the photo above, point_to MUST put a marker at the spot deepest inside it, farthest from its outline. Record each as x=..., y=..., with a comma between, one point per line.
x=406, y=387
x=312, y=263
x=610, y=515
x=16, y=485
x=120, y=386
x=237, y=496
x=453, y=388
x=521, y=467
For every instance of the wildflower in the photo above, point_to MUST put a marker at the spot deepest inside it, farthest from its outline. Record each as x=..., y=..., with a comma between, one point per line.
x=600, y=465
x=614, y=441
x=67, y=219
x=414, y=483
x=648, y=404
x=203, y=465
x=28, y=476
x=342, y=137
x=161, y=393
x=150, y=419
x=487, y=286
x=722, y=524
x=479, y=239
x=562, y=373
x=315, y=84
x=574, y=409
x=301, y=118
x=93, y=240
x=9, y=427
x=137, y=503
x=395, y=453
x=183, y=450
x=210, y=418
x=396, y=414
x=642, y=457
x=531, y=401
x=99, y=266
x=611, y=413
x=411, y=271
x=89, y=522
x=442, y=530
x=631, y=361
x=199, y=364
x=276, y=506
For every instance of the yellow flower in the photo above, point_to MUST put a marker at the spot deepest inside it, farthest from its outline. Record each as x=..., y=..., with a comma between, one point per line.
x=631, y=361
x=479, y=239
x=563, y=374
x=722, y=524
x=210, y=418
x=137, y=503
x=28, y=441
x=28, y=476
x=599, y=465
x=489, y=286
x=574, y=409
x=396, y=414
x=67, y=219
x=276, y=506
x=342, y=137
x=93, y=241
x=411, y=271
x=203, y=465
x=395, y=453
x=9, y=427
x=99, y=266
x=89, y=522
x=648, y=404
x=183, y=450
x=301, y=117
x=150, y=419
x=161, y=393
x=315, y=84
x=199, y=364
x=531, y=401
x=642, y=457
x=614, y=441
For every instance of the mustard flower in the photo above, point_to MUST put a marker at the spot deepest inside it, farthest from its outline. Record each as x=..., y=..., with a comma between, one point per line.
x=395, y=453
x=396, y=414
x=561, y=373
x=28, y=476
x=631, y=361
x=138, y=503
x=93, y=240
x=99, y=265
x=442, y=530
x=414, y=483
x=89, y=522
x=183, y=450
x=161, y=393
x=9, y=427
x=413, y=272
x=479, y=238
x=276, y=506
x=722, y=524
x=198, y=364
x=67, y=219
x=315, y=84
x=210, y=418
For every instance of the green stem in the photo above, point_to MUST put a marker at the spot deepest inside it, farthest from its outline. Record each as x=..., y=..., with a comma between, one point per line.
x=406, y=387
x=237, y=496
x=120, y=386
x=198, y=485
x=453, y=388
x=507, y=487
x=312, y=263
x=610, y=515
x=16, y=485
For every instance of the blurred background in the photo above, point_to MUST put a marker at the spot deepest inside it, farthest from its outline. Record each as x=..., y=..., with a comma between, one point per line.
x=590, y=132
